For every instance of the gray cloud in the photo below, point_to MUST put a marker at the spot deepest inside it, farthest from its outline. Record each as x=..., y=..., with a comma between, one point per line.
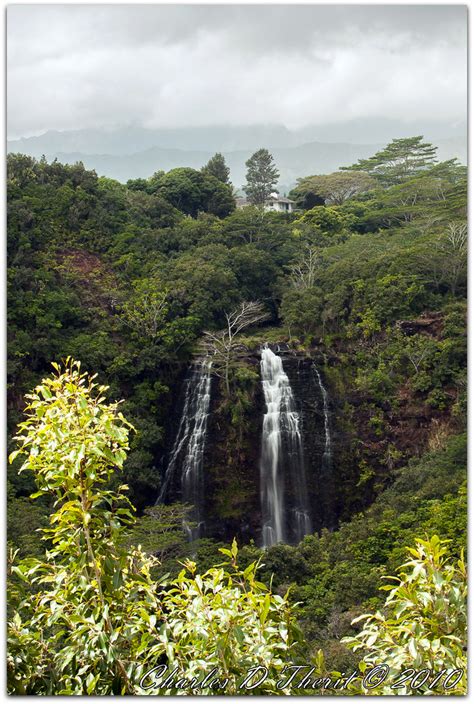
x=76, y=66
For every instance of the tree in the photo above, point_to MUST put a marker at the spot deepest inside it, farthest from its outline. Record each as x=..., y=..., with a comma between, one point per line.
x=255, y=270
x=227, y=622
x=204, y=284
x=160, y=532
x=450, y=171
x=146, y=312
x=155, y=318
x=222, y=345
x=85, y=612
x=219, y=197
x=418, y=349
x=383, y=300
x=88, y=618
x=453, y=250
x=262, y=177
x=331, y=189
x=398, y=161
x=193, y=191
x=424, y=626
x=301, y=307
x=21, y=170
x=444, y=261
x=323, y=220
x=217, y=167
x=138, y=184
x=303, y=272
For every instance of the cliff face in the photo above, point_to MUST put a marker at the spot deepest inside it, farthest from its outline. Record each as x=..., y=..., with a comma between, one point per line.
x=345, y=452
x=231, y=467
x=318, y=412
x=232, y=486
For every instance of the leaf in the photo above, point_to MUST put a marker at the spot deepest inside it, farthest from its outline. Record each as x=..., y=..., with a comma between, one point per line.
x=239, y=634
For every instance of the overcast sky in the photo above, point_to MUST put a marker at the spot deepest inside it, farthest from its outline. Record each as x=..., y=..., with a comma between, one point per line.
x=76, y=66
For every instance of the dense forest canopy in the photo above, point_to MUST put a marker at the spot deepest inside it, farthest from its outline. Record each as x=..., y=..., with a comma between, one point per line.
x=368, y=275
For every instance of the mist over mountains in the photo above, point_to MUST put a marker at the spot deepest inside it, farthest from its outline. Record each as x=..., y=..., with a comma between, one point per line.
x=132, y=151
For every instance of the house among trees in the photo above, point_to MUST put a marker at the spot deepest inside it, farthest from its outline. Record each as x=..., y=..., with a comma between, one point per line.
x=274, y=202
x=278, y=203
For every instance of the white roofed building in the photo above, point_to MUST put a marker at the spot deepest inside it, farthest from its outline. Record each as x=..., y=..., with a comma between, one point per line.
x=279, y=204
x=274, y=203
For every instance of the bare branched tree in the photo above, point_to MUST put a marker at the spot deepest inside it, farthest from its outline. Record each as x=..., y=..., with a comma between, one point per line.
x=223, y=345
x=445, y=260
x=454, y=248
x=303, y=272
x=416, y=356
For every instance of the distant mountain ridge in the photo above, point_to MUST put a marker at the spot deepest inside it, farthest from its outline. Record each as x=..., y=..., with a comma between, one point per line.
x=132, y=152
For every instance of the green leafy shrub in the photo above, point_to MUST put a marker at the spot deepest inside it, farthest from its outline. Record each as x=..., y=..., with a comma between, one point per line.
x=423, y=625
x=228, y=621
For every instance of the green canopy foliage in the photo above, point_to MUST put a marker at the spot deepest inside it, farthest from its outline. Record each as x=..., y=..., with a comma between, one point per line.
x=398, y=161
x=423, y=632
x=331, y=189
x=192, y=191
x=217, y=167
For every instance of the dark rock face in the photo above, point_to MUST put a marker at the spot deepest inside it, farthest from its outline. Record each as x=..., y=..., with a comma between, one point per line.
x=320, y=469
x=231, y=468
x=428, y=324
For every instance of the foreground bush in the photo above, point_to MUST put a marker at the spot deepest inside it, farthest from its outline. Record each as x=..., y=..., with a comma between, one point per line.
x=88, y=618
x=423, y=629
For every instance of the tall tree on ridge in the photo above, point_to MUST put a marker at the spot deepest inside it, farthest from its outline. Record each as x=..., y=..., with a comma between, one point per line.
x=262, y=177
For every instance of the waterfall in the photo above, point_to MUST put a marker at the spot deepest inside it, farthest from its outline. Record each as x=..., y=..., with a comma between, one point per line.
x=327, y=454
x=187, y=455
x=283, y=488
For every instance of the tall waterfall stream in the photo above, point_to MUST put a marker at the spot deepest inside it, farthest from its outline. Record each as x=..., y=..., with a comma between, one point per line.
x=327, y=456
x=187, y=455
x=282, y=452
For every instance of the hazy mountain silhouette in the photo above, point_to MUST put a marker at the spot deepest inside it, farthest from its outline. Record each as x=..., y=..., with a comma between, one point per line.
x=131, y=152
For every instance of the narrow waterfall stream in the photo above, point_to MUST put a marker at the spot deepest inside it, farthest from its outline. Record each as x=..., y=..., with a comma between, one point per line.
x=187, y=455
x=283, y=487
x=327, y=455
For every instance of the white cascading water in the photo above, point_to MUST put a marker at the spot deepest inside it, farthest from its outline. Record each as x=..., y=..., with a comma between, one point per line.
x=327, y=455
x=187, y=455
x=281, y=435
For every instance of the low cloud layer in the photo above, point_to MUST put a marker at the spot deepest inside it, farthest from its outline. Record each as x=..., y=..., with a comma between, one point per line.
x=77, y=66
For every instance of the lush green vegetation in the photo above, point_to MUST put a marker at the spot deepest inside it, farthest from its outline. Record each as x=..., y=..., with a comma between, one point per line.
x=133, y=280
x=88, y=617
